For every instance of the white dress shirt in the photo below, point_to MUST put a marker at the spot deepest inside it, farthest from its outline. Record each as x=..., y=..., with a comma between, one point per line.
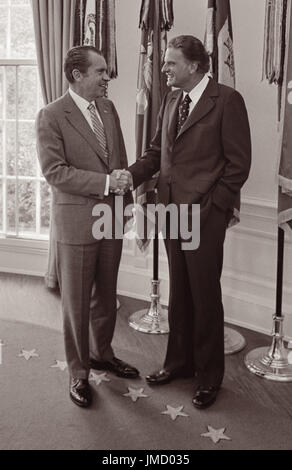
x=83, y=106
x=196, y=93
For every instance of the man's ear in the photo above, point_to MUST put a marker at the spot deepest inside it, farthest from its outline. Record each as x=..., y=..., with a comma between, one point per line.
x=194, y=67
x=76, y=74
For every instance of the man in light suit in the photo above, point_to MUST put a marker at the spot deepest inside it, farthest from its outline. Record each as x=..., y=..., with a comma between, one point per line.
x=80, y=143
x=202, y=148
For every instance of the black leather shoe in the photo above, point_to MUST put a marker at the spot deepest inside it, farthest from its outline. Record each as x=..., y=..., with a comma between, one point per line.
x=117, y=366
x=80, y=392
x=205, y=396
x=161, y=377
x=165, y=376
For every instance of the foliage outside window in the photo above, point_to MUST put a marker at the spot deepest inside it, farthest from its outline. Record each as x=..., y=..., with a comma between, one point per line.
x=24, y=194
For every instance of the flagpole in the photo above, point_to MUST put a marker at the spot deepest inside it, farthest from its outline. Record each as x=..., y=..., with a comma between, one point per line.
x=272, y=363
x=155, y=319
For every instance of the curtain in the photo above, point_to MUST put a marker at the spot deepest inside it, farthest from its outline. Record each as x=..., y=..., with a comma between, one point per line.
x=54, y=34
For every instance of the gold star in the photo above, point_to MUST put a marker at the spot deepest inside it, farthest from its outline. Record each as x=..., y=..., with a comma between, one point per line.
x=98, y=378
x=60, y=365
x=135, y=393
x=216, y=434
x=28, y=354
x=174, y=412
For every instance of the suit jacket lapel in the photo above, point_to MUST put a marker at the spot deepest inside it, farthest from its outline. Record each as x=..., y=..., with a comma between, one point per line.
x=203, y=107
x=78, y=121
x=173, y=115
x=106, y=116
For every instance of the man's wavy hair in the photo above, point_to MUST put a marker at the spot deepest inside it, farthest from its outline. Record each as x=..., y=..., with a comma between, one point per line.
x=78, y=58
x=193, y=50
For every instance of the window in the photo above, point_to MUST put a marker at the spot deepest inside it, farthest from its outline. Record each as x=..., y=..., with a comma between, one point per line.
x=24, y=194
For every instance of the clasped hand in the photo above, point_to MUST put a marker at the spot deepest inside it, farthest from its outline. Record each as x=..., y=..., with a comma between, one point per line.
x=121, y=181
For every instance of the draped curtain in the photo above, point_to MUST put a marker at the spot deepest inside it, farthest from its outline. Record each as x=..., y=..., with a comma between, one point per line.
x=54, y=22
x=54, y=35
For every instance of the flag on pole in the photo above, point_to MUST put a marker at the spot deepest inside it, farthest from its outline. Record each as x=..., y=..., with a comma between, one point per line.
x=219, y=45
x=95, y=26
x=274, y=40
x=285, y=162
x=219, y=41
x=156, y=17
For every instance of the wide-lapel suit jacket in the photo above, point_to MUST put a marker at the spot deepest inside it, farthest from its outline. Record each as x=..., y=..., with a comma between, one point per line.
x=73, y=163
x=209, y=160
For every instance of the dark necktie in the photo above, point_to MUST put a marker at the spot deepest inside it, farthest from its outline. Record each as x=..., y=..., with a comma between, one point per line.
x=183, y=112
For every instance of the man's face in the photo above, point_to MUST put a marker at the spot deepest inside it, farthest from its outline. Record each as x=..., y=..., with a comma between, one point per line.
x=179, y=71
x=93, y=83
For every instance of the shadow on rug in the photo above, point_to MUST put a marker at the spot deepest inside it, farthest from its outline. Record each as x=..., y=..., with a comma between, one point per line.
x=36, y=412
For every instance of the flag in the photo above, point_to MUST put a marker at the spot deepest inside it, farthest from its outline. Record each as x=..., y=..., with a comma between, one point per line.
x=95, y=26
x=156, y=17
x=274, y=41
x=219, y=42
x=285, y=161
x=219, y=45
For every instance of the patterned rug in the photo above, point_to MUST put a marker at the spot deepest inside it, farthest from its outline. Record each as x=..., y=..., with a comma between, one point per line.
x=36, y=412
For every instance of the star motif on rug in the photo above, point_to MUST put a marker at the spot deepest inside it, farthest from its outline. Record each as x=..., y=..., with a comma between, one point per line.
x=174, y=412
x=98, y=378
x=28, y=354
x=216, y=434
x=62, y=365
x=135, y=393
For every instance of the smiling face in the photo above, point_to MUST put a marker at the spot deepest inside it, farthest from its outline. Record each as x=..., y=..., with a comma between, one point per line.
x=93, y=83
x=180, y=72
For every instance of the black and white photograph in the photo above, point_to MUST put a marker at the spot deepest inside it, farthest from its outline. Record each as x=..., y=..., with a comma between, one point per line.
x=145, y=228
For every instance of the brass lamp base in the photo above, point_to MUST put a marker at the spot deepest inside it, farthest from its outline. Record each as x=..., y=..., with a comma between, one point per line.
x=155, y=319
x=271, y=363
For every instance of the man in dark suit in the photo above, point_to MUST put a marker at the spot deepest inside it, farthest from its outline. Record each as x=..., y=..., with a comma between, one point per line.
x=203, y=151
x=80, y=143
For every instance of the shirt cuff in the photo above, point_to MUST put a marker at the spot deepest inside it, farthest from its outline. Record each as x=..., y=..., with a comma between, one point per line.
x=107, y=183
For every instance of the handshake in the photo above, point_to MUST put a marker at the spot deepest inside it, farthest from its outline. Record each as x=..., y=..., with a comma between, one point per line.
x=121, y=181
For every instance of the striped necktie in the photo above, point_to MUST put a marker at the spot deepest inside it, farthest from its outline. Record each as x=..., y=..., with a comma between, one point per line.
x=98, y=129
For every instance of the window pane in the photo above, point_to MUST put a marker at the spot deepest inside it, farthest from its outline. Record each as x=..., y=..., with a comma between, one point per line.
x=26, y=201
x=19, y=2
x=22, y=35
x=3, y=30
x=1, y=147
x=10, y=147
x=11, y=92
x=1, y=207
x=27, y=149
x=11, y=206
x=45, y=207
x=1, y=92
x=27, y=88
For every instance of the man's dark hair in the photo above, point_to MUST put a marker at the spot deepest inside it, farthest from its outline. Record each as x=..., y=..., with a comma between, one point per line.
x=78, y=58
x=193, y=50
